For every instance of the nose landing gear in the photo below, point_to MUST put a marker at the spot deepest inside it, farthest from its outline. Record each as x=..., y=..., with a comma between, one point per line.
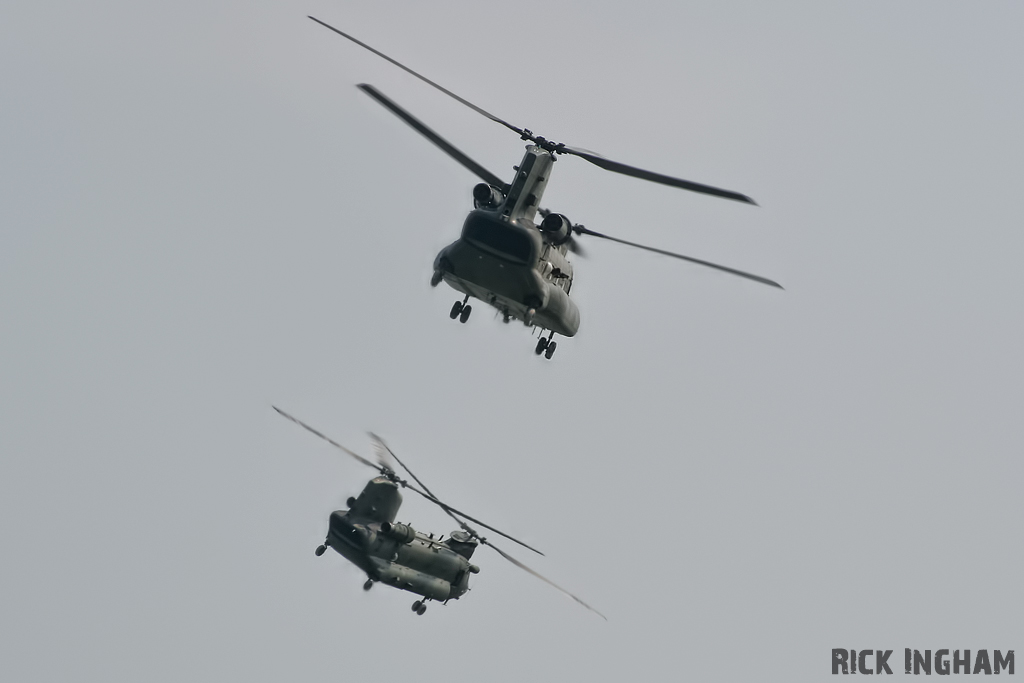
x=419, y=607
x=546, y=346
x=461, y=310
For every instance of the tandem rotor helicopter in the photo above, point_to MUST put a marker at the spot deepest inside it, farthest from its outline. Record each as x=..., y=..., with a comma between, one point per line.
x=503, y=257
x=395, y=554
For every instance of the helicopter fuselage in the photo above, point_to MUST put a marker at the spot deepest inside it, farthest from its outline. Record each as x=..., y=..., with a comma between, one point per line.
x=506, y=260
x=503, y=257
x=395, y=554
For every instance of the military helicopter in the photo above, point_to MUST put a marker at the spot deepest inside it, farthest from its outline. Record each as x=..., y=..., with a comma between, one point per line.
x=503, y=257
x=395, y=554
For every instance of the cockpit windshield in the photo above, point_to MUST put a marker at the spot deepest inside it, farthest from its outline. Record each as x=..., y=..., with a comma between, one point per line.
x=506, y=240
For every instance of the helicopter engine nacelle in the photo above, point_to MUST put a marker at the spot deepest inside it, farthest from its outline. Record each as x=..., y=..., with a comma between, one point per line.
x=403, y=533
x=487, y=196
x=556, y=228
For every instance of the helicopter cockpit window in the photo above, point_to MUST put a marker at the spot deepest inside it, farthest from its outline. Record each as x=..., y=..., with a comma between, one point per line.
x=506, y=240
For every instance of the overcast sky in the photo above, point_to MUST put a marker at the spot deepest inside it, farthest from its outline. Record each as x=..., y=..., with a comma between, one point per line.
x=201, y=216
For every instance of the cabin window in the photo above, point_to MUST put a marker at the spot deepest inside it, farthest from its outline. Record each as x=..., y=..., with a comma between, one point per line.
x=508, y=241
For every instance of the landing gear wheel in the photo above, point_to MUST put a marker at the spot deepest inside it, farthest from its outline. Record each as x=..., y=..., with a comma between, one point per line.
x=550, y=350
x=320, y=550
x=416, y=606
x=542, y=344
x=436, y=278
x=464, y=316
x=421, y=610
x=368, y=585
x=456, y=310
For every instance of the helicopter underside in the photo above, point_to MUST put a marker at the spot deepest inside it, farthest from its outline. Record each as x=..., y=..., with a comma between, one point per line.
x=512, y=288
x=401, y=564
x=391, y=573
x=409, y=579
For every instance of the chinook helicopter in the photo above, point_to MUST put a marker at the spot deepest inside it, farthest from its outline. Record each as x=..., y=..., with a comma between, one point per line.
x=397, y=555
x=503, y=256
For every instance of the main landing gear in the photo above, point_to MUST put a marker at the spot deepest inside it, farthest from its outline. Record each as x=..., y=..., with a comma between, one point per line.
x=368, y=585
x=461, y=310
x=546, y=346
x=419, y=607
x=321, y=550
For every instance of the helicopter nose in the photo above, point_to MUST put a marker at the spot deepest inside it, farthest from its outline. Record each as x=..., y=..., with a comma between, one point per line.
x=343, y=529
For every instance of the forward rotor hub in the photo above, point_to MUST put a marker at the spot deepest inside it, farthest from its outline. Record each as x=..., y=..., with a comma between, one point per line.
x=544, y=143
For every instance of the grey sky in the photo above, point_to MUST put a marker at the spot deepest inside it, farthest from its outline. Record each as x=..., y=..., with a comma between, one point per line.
x=201, y=216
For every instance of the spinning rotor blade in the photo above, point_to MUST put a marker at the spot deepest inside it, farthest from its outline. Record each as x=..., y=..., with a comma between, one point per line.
x=525, y=134
x=426, y=80
x=378, y=443
x=429, y=134
x=450, y=511
x=619, y=167
x=539, y=576
x=455, y=514
x=331, y=441
x=580, y=230
x=383, y=453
